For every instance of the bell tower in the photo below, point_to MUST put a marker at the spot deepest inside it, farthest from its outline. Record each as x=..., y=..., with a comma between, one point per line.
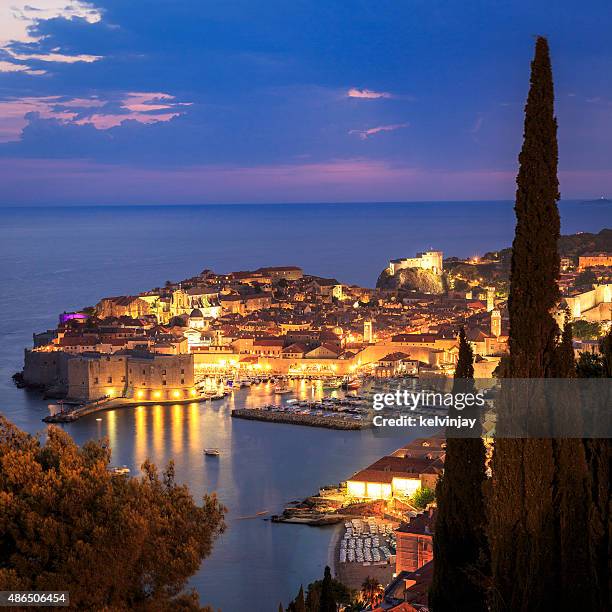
x=496, y=323
x=490, y=298
x=367, y=332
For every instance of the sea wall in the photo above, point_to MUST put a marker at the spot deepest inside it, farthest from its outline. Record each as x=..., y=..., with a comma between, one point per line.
x=45, y=369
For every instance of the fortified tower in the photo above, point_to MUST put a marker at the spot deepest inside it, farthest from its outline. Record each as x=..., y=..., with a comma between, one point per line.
x=490, y=298
x=367, y=332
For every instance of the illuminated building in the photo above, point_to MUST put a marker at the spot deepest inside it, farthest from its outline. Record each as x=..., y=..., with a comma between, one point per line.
x=490, y=299
x=395, y=476
x=276, y=273
x=593, y=305
x=122, y=306
x=428, y=260
x=595, y=260
x=367, y=332
x=496, y=323
x=414, y=542
x=130, y=374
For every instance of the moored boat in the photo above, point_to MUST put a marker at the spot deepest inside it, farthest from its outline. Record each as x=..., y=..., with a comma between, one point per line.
x=121, y=470
x=351, y=384
x=333, y=383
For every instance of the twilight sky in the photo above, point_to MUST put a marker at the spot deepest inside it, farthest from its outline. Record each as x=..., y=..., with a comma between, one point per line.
x=202, y=101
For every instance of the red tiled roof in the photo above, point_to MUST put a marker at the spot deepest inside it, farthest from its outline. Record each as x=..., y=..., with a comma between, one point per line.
x=269, y=342
x=78, y=340
x=421, y=524
x=395, y=357
x=294, y=348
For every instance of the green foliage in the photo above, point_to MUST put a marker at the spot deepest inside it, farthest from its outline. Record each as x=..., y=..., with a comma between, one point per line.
x=586, y=330
x=571, y=245
x=413, y=279
x=461, y=551
x=535, y=260
x=592, y=365
x=460, y=285
x=589, y=365
x=585, y=242
x=298, y=604
x=422, y=497
x=322, y=595
x=327, y=600
x=465, y=358
x=548, y=523
x=371, y=592
x=517, y=534
x=115, y=543
x=586, y=278
x=566, y=364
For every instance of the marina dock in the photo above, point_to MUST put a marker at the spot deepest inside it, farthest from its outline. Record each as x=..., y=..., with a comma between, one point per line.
x=292, y=418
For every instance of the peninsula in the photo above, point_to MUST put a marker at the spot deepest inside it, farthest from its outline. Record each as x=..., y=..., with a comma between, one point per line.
x=166, y=344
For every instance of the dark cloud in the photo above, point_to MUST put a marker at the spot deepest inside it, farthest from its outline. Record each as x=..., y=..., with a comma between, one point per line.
x=267, y=83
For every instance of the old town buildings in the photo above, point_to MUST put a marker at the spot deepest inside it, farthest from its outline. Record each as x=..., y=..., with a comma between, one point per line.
x=274, y=319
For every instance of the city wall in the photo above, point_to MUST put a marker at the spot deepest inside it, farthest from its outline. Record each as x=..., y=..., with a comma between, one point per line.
x=45, y=369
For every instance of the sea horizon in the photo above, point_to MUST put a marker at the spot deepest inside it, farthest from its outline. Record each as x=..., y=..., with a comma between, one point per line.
x=57, y=259
x=582, y=200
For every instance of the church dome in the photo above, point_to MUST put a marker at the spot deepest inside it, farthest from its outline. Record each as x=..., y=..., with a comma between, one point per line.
x=196, y=314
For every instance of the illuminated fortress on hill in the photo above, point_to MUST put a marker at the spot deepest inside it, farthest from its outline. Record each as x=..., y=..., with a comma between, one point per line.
x=427, y=260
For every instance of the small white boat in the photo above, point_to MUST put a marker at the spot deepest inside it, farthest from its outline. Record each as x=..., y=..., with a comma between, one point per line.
x=332, y=383
x=280, y=388
x=122, y=470
x=211, y=452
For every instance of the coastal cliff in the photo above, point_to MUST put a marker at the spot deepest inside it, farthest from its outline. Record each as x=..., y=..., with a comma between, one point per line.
x=412, y=279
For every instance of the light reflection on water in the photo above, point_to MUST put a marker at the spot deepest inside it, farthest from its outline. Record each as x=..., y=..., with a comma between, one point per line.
x=262, y=467
x=49, y=258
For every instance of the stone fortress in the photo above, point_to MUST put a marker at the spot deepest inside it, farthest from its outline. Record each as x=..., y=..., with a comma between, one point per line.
x=427, y=260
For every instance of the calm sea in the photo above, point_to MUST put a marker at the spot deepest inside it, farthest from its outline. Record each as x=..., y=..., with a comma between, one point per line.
x=56, y=259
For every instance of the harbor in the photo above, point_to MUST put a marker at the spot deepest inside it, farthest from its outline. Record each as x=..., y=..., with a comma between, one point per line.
x=260, y=469
x=327, y=402
x=304, y=401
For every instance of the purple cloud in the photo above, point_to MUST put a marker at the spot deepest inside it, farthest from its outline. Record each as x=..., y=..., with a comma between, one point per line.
x=365, y=134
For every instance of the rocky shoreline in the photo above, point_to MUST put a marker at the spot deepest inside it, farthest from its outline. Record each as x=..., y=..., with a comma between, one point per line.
x=298, y=419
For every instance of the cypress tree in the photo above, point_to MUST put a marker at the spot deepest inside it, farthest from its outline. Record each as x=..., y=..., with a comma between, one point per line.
x=327, y=601
x=537, y=515
x=605, y=347
x=566, y=363
x=298, y=604
x=598, y=459
x=534, y=292
x=460, y=546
